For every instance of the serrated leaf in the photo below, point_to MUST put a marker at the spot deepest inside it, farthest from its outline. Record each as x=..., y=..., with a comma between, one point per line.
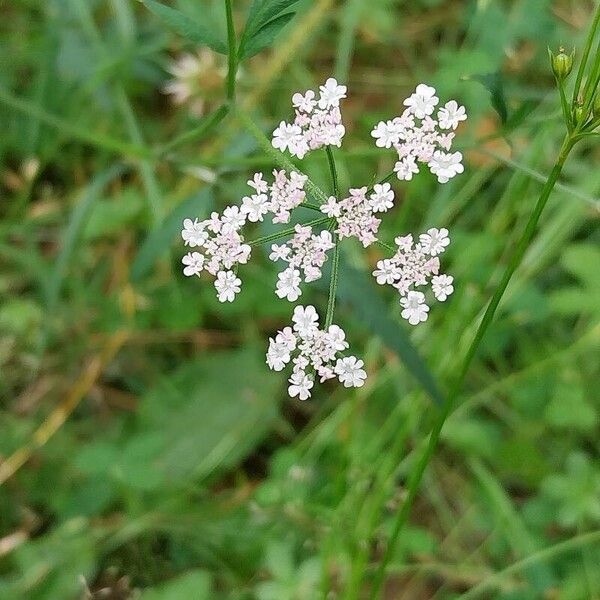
x=193, y=31
x=356, y=290
x=160, y=239
x=265, y=20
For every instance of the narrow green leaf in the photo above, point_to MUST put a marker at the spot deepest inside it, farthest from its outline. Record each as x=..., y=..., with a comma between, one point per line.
x=160, y=239
x=356, y=290
x=494, y=84
x=264, y=37
x=193, y=31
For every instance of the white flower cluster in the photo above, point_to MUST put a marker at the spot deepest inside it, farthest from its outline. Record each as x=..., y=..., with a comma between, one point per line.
x=318, y=122
x=222, y=248
x=305, y=254
x=355, y=214
x=418, y=137
x=414, y=265
x=280, y=198
x=315, y=352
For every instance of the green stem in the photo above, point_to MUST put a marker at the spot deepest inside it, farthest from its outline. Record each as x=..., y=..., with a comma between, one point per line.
x=335, y=261
x=333, y=171
x=416, y=474
x=231, y=53
x=564, y=104
x=284, y=232
x=585, y=55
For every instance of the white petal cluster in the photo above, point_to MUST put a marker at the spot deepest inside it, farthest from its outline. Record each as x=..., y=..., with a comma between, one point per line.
x=279, y=198
x=355, y=214
x=418, y=137
x=305, y=254
x=221, y=248
x=317, y=123
x=313, y=352
x=416, y=265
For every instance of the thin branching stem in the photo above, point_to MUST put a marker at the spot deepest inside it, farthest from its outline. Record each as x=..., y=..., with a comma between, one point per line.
x=586, y=53
x=336, y=249
x=285, y=232
x=416, y=474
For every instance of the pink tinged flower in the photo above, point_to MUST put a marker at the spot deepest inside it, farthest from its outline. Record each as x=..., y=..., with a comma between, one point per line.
x=331, y=93
x=279, y=252
x=423, y=101
x=258, y=183
x=446, y=165
x=193, y=261
x=255, y=207
x=288, y=284
x=350, y=372
x=387, y=272
x=435, y=241
x=193, y=233
x=406, y=168
x=305, y=320
x=286, y=137
x=442, y=286
x=451, y=114
x=300, y=385
x=304, y=103
x=415, y=310
x=227, y=286
x=331, y=208
x=404, y=243
x=382, y=198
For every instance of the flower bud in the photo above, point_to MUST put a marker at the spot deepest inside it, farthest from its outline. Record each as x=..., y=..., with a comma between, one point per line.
x=580, y=113
x=562, y=63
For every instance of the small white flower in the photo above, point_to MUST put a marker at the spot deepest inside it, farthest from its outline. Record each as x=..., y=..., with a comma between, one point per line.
x=450, y=115
x=386, y=134
x=278, y=355
x=233, y=217
x=382, y=198
x=415, y=310
x=288, y=284
x=331, y=208
x=193, y=233
x=227, y=286
x=279, y=252
x=255, y=207
x=193, y=261
x=258, y=183
x=423, y=101
x=331, y=93
x=300, y=385
x=435, y=241
x=337, y=338
x=442, y=286
x=386, y=272
x=306, y=321
x=350, y=372
x=446, y=165
x=406, y=168
x=304, y=103
x=287, y=137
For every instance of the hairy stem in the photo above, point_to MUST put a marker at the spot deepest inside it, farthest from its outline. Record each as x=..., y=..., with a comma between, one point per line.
x=416, y=474
x=231, y=53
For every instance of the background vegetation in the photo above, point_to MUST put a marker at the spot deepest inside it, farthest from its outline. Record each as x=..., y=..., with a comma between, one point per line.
x=146, y=449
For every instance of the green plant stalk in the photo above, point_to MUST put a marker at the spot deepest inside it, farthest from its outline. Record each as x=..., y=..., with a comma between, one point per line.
x=335, y=261
x=231, y=53
x=564, y=104
x=585, y=55
x=416, y=475
x=284, y=232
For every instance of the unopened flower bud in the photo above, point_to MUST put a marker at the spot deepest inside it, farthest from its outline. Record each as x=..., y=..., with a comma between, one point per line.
x=562, y=63
x=581, y=113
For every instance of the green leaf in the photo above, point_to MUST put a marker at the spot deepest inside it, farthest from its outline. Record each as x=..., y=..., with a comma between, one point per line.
x=159, y=240
x=265, y=20
x=194, y=584
x=194, y=31
x=494, y=84
x=356, y=290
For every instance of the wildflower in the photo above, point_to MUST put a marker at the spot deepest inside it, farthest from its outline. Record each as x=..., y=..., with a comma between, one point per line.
x=382, y=198
x=220, y=248
x=227, y=286
x=315, y=354
x=317, y=123
x=306, y=252
x=416, y=265
x=419, y=138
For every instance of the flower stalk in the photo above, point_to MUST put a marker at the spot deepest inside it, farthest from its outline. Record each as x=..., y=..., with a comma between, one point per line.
x=232, y=62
